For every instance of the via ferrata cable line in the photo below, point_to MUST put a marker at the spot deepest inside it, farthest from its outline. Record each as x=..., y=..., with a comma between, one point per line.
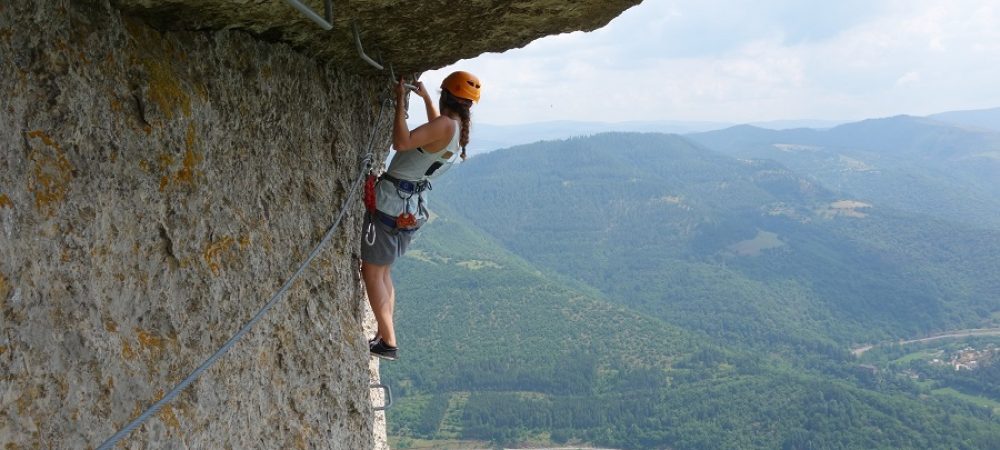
x=277, y=297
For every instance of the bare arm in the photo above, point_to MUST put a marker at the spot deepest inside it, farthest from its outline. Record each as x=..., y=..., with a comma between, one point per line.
x=432, y=112
x=431, y=134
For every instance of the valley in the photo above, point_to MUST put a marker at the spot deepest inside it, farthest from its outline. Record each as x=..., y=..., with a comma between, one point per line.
x=634, y=290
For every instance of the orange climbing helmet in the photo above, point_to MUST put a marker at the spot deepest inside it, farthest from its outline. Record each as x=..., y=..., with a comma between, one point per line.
x=462, y=84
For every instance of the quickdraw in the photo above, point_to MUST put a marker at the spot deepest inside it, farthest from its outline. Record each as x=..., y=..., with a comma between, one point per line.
x=370, y=181
x=370, y=206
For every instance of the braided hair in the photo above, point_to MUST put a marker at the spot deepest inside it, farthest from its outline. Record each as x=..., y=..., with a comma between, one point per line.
x=459, y=106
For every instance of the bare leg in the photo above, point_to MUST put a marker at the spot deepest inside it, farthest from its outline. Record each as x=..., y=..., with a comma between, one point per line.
x=390, y=339
x=380, y=297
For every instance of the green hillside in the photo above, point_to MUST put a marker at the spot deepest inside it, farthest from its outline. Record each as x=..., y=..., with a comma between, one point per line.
x=744, y=249
x=641, y=291
x=907, y=163
x=496, y=350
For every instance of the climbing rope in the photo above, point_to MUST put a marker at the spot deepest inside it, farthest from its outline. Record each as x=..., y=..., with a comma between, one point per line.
x=155, y=408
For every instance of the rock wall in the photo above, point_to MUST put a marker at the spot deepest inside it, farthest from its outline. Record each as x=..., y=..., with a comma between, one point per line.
x=164, y=170
x=155, y=190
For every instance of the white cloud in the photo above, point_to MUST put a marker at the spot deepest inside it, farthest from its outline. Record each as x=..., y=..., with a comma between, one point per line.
x=726, y=60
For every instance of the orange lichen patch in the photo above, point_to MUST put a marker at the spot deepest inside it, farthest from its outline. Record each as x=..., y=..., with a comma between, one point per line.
x=164, y=88
x=62, y=46
x=39, y=134
x=167, y=415
x=127, y=351
x=169, y=418
x=191, y=159
x=155, y=53
x=65, y=256
x=5, y=202
x=52, y=173
x=149, y=341
x=116, y=106
x=213, y=252
x=63, y=387
x=164, y=182
x=4, y=288
x=244, y=242
x=111, y=326
x=3, y=349
x=144, y=165
x=165, y=160
x=202, y=91
x=27, y=398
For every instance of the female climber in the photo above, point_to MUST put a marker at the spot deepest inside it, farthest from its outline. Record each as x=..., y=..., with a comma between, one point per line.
x=400, y=194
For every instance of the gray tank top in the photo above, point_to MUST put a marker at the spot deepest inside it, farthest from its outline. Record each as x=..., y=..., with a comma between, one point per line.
x=416, y=166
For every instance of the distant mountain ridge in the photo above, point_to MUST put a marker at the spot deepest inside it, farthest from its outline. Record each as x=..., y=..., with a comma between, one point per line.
x=910, y=163
x=487, y=137
x=982, y=118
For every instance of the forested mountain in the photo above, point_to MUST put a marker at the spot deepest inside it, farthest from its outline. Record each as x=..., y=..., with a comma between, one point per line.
x=908, y=163
x=488, y=137
x=644, y=291
x=980, y=118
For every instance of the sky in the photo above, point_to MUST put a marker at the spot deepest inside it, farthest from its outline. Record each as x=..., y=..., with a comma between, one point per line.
x=750, y=61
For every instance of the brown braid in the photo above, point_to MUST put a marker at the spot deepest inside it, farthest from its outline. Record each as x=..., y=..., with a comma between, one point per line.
x=461, y=107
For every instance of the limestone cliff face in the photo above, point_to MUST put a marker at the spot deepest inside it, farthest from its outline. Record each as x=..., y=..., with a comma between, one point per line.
x=156, y=188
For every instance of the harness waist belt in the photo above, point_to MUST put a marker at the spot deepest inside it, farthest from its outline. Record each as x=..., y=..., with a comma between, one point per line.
x=390, y=222
x=407, y=186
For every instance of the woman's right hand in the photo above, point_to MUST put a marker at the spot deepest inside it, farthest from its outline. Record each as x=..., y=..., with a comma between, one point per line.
x=421, y=90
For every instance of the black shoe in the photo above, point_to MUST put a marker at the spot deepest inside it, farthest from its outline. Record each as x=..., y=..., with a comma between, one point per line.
x=382, y=350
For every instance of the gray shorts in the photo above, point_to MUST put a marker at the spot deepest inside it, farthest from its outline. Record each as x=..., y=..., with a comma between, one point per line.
x=389, y=244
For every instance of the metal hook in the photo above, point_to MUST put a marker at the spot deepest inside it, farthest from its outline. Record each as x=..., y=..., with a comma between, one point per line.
x=361, y=50
x=370, y=234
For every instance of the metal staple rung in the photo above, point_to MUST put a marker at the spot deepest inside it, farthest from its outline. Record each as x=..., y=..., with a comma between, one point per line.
x=308, y=12
x=388, y=396
x=361, y=50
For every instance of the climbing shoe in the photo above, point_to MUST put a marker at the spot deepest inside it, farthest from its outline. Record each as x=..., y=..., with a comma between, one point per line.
x=382, y=350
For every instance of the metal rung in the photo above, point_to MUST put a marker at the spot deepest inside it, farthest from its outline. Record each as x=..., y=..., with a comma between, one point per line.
x=388, y=396
x=361, y=50
x=308, y=12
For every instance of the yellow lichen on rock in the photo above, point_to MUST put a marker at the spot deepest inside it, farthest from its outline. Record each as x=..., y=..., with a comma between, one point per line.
x=187, y=173
x=167, y=415
x=5, y=202
x=149, y=341
x=154, y=54
x=127, y=351
x=191, y=159
x=52, y=173
x=212, y=253
x=4, y=288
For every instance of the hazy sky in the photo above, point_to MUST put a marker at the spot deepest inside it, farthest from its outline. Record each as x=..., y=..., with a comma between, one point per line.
x=745, y=61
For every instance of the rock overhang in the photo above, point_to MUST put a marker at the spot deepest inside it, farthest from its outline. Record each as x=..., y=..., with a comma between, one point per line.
x=411, y=36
